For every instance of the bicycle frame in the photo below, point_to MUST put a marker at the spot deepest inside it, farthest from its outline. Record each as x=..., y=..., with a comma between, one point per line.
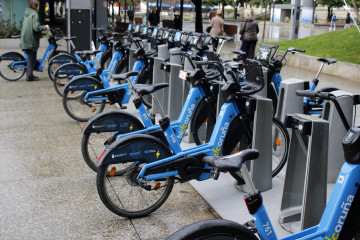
x=42, y=61
x=335, y=213
x=105, y=77
x=213, y=147
x=179, y=126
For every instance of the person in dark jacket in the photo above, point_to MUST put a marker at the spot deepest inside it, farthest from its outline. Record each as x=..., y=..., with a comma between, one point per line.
x=153, y=17
x=347, y=21
x=130, y=13
x=248, y=32
x=30, y=36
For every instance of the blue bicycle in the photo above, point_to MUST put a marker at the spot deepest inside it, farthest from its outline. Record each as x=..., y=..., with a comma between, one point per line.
x=341, y=217
x=104, y=129
x=266, y=54
x=13, y=64
x=101, y=59
x=86, y=96
x=137, y=173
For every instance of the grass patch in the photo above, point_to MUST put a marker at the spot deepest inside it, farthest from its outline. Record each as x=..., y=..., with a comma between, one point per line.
x=342, y=45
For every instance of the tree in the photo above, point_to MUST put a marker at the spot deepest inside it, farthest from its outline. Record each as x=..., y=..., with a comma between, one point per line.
x=356, y=9
x=198, y=17
x=330, y=4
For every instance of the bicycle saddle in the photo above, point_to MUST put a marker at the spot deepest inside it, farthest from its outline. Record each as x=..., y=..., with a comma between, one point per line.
x=149, y=53
x=231, y=162
x=123, y=76
x=145, y=89
x=87, y=52
x=327, y=60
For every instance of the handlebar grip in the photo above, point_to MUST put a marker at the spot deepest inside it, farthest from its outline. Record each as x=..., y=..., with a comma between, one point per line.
x=325, y=95
x=299, y=50
x=306, y=93
x=202, y=62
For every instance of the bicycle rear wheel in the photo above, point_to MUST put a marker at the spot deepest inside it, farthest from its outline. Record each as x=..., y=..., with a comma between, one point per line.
x=76, y=107
x=7, y=71
x=121, y=193
x=93, y=143
x=217, y=229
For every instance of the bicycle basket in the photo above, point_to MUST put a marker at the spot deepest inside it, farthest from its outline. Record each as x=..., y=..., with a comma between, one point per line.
x=254, y=77
x=263, y=54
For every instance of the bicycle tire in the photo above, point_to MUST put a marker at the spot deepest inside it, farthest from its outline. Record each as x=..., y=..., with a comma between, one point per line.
x=5, y=70
x=215, y=229
x=53, y=66
x=60, y=80
x=74, y=105
x=94, y=143
x=121, y=194
x=280, y=147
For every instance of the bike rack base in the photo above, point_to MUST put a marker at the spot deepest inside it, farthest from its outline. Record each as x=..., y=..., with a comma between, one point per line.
x=305, y=186
x=337, y=130
x=288, y=101
x=261, y=168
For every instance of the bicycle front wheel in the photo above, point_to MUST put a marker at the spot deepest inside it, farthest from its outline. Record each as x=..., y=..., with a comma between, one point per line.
x=280, y=145
x=9, y=72
x=79, y=109
x=217, y=229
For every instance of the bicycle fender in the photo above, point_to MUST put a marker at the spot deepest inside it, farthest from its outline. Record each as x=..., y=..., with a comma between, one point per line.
x=63, y=58
x=83, y=83
x=15, y=56
x=233, y=136
x=201, y=112
x=71, y=68
x=104, y=57
x=133, y=148
x=113, y=121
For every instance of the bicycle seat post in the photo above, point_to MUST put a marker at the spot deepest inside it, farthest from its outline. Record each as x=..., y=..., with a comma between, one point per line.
x=247, y=179
x=157, y=103
x=319, y=71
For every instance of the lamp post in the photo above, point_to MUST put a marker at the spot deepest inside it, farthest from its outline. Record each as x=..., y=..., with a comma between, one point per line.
x=273, y=15
x=313, y=16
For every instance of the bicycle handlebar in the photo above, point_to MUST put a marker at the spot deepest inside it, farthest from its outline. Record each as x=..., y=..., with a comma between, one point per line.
x=326, y=96
x=313, y=94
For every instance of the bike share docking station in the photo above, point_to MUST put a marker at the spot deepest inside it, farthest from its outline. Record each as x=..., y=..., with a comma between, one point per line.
x=314, y=160
x=168, y=72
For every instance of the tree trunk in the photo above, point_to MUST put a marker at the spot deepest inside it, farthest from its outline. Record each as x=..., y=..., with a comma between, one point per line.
x=329, y=14
x=51, y=11
x=356, y=10
x=198, y=19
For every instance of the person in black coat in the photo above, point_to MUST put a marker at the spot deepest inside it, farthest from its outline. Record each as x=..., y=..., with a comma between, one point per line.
x=153, y=18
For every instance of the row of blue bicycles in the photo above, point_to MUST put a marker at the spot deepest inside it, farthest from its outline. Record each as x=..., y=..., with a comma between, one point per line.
x=138, y=161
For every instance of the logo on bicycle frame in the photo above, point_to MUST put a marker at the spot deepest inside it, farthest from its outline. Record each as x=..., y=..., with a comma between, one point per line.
x=223, y=130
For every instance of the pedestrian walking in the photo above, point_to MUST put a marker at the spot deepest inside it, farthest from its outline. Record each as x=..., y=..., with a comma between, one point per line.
x=347, y=21
x=211, y=14
x=249, y=30
x=217, y=27
x=153, y=17
x=30, y=37
x=333, y=22
x=130, y=13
